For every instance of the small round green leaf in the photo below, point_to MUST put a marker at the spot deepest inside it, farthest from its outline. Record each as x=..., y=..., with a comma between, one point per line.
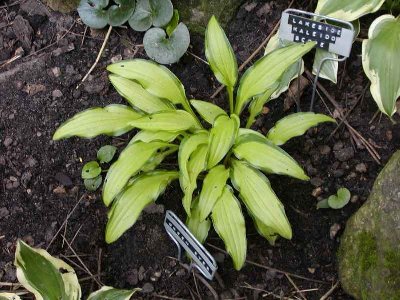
x=340, y=200
x=162, y=11
x=91, y=170
x=166, y=50
x=92, y=184
x=151, y=12
x=106, y=153
x=93, y=13
x=323, y=204
x=120, y=13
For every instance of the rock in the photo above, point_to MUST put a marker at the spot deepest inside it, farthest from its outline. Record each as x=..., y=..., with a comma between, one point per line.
x=63, y=179
x=316, y=181
x=333, y=231
x=361, y=168
x=324, y=149
x=33, y=89
x=56, y=71
x=344, y=154
x=369, y=253
x=26, y=178
x=7, y=142
x=56, y=94
x=23, y=31
x=62, y=5
x=196, y=13
x=147, y=288
x=3, y=212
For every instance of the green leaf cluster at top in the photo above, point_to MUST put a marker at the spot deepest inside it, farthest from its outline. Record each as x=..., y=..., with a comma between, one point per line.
x=218, y=161
x=165, y=43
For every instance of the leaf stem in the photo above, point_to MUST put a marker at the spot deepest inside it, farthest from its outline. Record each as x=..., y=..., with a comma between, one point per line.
x=189, y=109
x=231, y=101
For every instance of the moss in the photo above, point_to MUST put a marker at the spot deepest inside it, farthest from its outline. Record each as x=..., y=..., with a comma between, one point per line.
x=392, y=264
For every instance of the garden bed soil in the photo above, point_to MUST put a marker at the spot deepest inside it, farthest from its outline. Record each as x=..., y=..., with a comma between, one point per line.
x=40, y=180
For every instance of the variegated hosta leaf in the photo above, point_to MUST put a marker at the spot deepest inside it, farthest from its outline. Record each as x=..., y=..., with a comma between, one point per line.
x=208, y=111
x=268, y=233
x=45, y=276
x=213, y=185
x=220, y=54
x=222, y=137
x=348, y=10
x=177, y=120
x=112, y=120
x=129, y=163
x=9, y=296
x=197, y=226
x=138, y=97
x=196, y=164
x=260, y=199
x=148, y=136
x=268, y=157
x=245, y=131
x=267, y=71
x=156, y=79
x=329, y=68
x=295, y=125
x=157, y=159
x=142, y=191
x=291, y=73
x=229, y=223
x=380, y=57
x=187, y=147
x=110, y=293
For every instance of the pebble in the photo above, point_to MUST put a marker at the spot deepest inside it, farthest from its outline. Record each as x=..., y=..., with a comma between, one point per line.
x=7, y=141
x=324, y=149
x=181, y=272
x=57, y=94
x=60, y=190
x=317, y=192
x=354, y=199
x=316, y=181
x=3, y=212
x=141, y=273
x=116, y=58
x=56, y=71
x=76, y=94
x=338, y=173
x=63, y=179
x=338, y=145
x=26, y=178
x=147, y=288
x=344, y=154
x=361, y=168
x=333, y=231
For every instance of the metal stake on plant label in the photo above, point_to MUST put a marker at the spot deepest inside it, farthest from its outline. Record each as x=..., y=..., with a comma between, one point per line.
x=300, y=26
x=202, y=260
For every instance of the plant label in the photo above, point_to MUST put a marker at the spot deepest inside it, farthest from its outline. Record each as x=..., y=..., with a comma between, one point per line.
x=184, y=239
x=301, y=27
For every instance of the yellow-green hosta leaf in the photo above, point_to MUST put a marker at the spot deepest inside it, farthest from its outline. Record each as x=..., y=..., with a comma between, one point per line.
x=260, y=199
x=245, y=131
x=268, y=157
x=157, y=159
x=9, y=296
x=348, y=10
x=196, y=164
x=257, y=104
x=268, y=233
x=177, y=120
x=220, y=54
x=222, y=137
x=197, y=226
x=187, y=147
x=208, y=111
x=141, y=192
x=128, y=164
x=45, y=276
x=156, y=79
x=266, y=72
x=295, y=125
x=110, y=293
x=213, y=185
x=381, y=62
x=137, y=96
x=329, y=68
x=148, y=136
x=229, y=223
x=112, y=120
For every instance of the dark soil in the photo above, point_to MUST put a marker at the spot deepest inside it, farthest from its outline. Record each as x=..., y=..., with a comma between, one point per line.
x=40, y=179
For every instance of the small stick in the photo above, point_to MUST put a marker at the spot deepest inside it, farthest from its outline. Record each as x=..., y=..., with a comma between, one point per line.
x=98, y=56
x=9, y=5
x=84, y=35
x=198, y=57
x=324, y=297
x=295, y=286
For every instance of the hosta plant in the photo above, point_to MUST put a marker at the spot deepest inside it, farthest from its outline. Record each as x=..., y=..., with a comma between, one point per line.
x=48, y=278
x=218, y=161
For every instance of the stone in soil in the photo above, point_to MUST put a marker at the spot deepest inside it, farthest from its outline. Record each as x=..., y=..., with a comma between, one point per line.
x=369, y=253
x=344, y=154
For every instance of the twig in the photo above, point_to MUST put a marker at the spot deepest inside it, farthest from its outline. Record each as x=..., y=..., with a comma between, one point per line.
x=9, y=5
x=324, y=297
x=270, y=268
x=295, y=286
x=76, y=234
x=198, y=57
x=267, y=293
x=98, y=56
x=99, y=261
x=65, y=221
x=84, y=35
x=374, y=116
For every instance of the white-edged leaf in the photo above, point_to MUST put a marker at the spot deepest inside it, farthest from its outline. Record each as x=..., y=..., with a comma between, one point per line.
x=9, y=296
x=213, y=186
x=208, y=111
x=128, y=164
x=174, y=121
x=156, y=79
x=111, y=120
x=245, y=131
x=295, y=125
x=381, y=63
x=329, y=68
x=260, y=199
x=266, y=72
x=45, y=276
x=110, y=293
x=157, y=159
x=222, y=137
x=142, y=191
x=268, y=233
x=148, y=136
x=137, y=96
x=220, y=54
x=229, y=223
x=268, y=157
x=196, y=164
x=197, y=226
x=347, y=10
